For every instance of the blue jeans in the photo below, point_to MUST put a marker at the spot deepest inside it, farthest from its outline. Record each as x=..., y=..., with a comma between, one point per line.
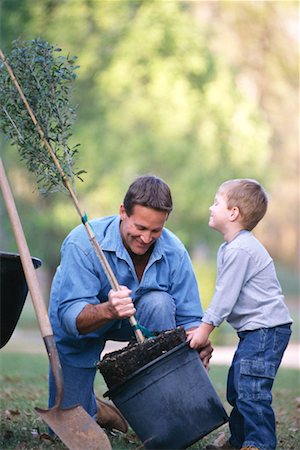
x=154, y=310
x=249, y=384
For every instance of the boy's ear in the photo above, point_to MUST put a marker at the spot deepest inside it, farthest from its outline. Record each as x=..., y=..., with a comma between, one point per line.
x=234, y=215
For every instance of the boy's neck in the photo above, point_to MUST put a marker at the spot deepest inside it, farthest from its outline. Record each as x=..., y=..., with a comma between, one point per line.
x=229, y=235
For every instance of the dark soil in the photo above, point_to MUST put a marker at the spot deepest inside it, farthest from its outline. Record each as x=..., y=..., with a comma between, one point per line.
x=117, y=366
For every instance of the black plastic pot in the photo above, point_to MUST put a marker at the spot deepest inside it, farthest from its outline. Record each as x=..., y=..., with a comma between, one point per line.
x=13, y=292
x=170, y=403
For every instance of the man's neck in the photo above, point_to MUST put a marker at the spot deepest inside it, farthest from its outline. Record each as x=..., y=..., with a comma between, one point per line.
x=140, y=261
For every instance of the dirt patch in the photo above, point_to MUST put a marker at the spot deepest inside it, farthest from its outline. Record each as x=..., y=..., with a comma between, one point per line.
x=117, y=366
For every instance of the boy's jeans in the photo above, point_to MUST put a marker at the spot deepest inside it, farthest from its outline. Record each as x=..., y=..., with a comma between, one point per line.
x=155, y=311
x=249, y=384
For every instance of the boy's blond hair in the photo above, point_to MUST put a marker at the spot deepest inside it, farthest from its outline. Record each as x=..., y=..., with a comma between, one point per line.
x=249, y=196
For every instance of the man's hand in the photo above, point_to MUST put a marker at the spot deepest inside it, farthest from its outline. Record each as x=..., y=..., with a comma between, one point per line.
x=120, y=303
x=206, y=353
x=119, y=306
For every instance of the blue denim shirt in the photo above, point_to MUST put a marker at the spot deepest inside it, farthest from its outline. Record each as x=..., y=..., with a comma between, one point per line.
x=80, y=280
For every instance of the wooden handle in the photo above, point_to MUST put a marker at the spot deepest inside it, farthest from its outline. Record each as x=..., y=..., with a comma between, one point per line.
x=28, y=267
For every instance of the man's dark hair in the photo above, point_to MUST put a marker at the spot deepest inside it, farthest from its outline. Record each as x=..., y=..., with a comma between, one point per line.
x=149, y=191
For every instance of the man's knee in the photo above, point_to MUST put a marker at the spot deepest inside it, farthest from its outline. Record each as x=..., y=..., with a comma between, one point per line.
x=156, y=311
x=158, y=301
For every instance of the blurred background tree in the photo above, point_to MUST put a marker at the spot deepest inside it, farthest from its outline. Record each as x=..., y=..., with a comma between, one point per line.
x=193, y=91
x=260, y=41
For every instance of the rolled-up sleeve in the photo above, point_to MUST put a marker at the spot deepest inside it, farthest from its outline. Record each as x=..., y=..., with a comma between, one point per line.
x=79, y=286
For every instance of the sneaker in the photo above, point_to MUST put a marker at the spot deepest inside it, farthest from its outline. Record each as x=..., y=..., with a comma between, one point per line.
x=226, y=446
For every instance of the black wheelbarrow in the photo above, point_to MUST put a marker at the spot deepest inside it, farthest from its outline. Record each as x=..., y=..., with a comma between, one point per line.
x=13, y=292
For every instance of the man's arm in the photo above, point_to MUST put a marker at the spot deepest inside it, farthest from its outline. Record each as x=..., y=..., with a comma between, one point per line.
x=119, y=306
x=184, y=290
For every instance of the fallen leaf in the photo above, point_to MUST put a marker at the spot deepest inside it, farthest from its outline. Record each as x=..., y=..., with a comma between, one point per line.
x=46, y=438
x=11, y=413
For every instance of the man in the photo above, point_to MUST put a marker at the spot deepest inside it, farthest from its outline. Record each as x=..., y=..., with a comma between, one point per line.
x=158, y=287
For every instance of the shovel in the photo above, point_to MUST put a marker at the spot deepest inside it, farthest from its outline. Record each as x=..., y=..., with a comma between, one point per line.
x=74, y=426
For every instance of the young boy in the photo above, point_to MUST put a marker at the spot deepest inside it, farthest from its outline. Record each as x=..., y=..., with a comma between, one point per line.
x=248, y=295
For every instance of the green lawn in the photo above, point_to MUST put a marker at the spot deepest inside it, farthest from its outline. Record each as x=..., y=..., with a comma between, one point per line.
x=24, y=385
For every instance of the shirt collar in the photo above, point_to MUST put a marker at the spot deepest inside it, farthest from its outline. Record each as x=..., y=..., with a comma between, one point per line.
x=112, y=240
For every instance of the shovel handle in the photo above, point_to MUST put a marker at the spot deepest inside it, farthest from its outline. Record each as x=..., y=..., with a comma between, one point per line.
x=33, y=284
x=29, y=271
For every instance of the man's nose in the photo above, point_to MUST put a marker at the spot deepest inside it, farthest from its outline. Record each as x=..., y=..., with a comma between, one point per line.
x=146, y=237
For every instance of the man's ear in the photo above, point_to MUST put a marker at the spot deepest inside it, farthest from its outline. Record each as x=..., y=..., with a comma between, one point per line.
x=235, y=213
x=122, y=212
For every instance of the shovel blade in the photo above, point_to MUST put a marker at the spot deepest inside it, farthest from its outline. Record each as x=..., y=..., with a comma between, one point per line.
x=76, y=428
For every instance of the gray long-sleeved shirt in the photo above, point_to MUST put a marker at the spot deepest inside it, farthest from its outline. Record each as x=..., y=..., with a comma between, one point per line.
x=247, y=294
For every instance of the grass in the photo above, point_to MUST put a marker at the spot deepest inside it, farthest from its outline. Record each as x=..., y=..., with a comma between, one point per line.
x=24, y=386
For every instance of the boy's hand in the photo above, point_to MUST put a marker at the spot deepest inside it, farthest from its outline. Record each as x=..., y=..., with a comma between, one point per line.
x=197, y=338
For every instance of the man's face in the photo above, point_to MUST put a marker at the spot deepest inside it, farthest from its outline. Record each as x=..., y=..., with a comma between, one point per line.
x=140, y=230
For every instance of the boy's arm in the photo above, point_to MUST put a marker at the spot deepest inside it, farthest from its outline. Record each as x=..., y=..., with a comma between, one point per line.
x=232, y=275
x=199, y=337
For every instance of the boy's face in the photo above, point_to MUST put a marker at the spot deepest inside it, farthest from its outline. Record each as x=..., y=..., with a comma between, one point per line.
x=219, y=213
